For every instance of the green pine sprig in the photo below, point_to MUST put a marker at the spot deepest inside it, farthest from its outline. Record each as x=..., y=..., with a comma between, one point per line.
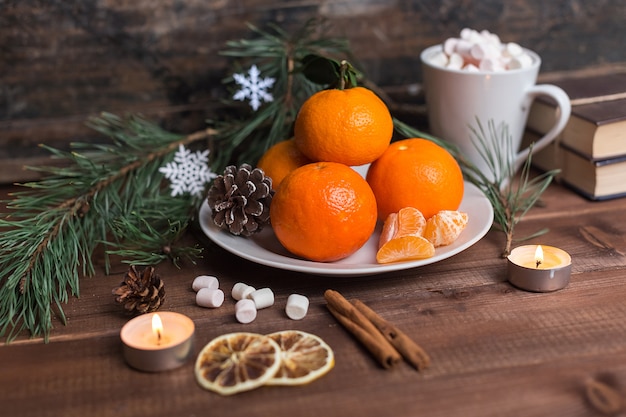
x=111, y=194
x=510, y=200
x=301, y=64
x=108, y=194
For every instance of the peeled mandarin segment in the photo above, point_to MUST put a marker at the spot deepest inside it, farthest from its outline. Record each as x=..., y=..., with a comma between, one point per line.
x=409, y=221
x=305, y=357
x=389, y=229
x=237, y=362
x=445, y=227
x=405, y=248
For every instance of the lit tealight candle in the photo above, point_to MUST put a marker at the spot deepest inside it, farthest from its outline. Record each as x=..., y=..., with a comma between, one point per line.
x=157, y=328
x=538, y=256
x=539, y=268
x=158, y=341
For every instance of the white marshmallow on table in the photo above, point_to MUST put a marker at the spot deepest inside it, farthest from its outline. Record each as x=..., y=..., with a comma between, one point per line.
x=241, y=291
x=210, y=297
x=205, y=281
x=262, y=298
x=297, y=306
x=245, y=311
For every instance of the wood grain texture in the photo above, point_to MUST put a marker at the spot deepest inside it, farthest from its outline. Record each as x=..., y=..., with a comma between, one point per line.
x=495, y=350
x=62, y=61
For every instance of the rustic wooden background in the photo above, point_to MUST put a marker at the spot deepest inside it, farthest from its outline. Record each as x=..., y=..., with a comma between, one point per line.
x=62, y=61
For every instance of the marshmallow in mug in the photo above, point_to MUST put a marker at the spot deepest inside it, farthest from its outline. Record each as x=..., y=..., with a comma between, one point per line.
x=481, y=51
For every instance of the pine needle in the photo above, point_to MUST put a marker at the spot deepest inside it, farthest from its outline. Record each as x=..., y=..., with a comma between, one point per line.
x=279, y=55
x=108, y=194
x=510, y=200
x=111, y=194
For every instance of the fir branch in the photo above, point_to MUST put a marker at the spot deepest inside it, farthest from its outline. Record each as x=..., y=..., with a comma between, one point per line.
x=149, y=234
x=279, y=55
x=107, y=193
x=140, y=243
x=511, y=200
x=111, y=194
x=54, y=227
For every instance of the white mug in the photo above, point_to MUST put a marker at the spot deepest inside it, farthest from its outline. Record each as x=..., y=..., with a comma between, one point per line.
x=457, y=99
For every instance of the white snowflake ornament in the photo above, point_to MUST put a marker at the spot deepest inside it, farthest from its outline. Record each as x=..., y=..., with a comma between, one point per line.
x=188, y=172
x=253, y=88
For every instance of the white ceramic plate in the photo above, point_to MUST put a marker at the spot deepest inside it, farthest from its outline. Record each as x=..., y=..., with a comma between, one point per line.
x=265, y=249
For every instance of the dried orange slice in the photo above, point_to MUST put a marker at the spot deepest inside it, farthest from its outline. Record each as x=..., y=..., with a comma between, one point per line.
x=409, y=221
x=445, y=227
x=405, y=248
x=237, y=362
x=304, y=358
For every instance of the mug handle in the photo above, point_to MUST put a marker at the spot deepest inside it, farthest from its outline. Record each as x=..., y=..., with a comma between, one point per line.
x=562, y=102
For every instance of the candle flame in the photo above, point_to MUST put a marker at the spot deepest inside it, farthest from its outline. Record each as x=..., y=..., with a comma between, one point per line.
x=157, y=327
x=538, y=256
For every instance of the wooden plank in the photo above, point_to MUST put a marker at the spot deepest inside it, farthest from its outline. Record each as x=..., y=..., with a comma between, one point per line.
x=592, y=234
x=495, y=350
x=517, y=359
x=532, y=390
x=62, y=61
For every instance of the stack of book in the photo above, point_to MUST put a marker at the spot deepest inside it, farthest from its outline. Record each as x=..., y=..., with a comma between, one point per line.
x=591, y=150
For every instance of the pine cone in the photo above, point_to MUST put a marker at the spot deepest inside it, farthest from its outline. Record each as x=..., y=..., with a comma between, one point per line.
x=240, y=200
x=141, y=291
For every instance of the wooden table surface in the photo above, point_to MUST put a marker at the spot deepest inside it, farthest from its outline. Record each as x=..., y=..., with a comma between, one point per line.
x=495, y=350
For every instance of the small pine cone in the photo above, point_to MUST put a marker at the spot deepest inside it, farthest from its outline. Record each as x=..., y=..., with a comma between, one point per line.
x=240, y=200
x=141, y=291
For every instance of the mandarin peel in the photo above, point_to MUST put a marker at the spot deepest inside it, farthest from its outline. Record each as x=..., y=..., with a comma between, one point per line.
x=280, y=159
x=323, y=212
x=352, y=126
x=416, y=173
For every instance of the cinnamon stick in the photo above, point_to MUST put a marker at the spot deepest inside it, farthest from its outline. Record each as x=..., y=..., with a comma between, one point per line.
x=411, y=351
x=361, y=328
